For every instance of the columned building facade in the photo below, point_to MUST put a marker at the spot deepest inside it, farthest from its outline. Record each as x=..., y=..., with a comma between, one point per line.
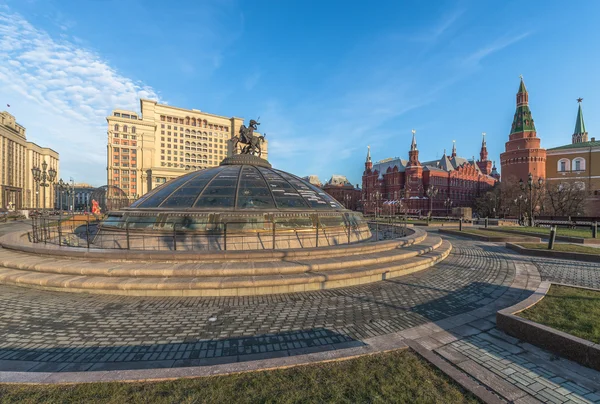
x=18, y=190
x=523, y=152
x=343, y=191
x=163, y=142
x=395, y=185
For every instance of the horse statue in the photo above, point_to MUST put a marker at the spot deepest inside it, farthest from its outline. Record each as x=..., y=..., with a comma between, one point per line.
x=247, y=137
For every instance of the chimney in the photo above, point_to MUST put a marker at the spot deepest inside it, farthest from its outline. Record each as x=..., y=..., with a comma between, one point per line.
x=593, y=139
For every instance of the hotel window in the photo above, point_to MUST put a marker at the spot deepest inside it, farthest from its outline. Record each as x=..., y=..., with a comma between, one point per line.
x=162, y=138
x=162, y=152
x=162, y=145
x=116, y=127
x=117, y=114
x=162, y=117
x=124, y=128
x=168, y=119
x=133, y=129
x=116, y=149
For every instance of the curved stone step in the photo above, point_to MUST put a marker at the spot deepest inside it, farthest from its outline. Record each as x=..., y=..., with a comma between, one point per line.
x=225, y=286
x=12, y=260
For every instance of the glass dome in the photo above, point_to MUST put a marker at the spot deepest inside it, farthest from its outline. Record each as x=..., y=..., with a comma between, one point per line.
x=237, y=187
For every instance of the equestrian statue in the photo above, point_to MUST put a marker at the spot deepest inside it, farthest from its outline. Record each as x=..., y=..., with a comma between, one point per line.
x=247, y=137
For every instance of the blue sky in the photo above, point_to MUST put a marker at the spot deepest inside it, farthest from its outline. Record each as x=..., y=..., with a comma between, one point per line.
x=327, y=78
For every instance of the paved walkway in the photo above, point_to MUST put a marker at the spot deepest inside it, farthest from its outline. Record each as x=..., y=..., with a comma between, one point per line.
x=448, y=310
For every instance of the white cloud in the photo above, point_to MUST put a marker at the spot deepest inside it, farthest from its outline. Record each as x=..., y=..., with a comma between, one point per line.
x=62, y=94
x=476, y=57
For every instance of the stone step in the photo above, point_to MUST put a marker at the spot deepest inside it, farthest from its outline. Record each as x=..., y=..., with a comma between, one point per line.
x=224, y=286
x=14, y=260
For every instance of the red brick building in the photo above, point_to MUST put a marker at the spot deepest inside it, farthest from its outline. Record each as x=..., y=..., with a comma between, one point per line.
x=523, y=153
x=343, y=191
x=396, y=185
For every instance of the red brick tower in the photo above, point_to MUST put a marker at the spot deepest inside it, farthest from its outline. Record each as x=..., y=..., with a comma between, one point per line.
x=484, y=164
x=413, y=171
x=523, y=153
x=368, y=163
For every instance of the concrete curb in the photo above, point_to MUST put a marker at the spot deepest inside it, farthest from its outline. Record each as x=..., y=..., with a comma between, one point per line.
x=554, y=254
x=492, y=239
x=568, y=346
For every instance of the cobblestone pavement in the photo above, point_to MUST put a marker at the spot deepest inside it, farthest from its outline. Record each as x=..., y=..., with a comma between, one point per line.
x=528, y=368
x=43, y=331
x=94, y=329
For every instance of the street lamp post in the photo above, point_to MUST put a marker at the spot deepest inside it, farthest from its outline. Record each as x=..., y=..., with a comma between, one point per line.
x=531, y=186
x=377, y=196
x=431, y=193
x=448, y=205
x=44, y=178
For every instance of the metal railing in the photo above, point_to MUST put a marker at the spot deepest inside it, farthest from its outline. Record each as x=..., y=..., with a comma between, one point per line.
x=90, y=232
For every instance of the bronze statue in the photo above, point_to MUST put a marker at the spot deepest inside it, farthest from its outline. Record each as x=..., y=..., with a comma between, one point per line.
x=247, y=137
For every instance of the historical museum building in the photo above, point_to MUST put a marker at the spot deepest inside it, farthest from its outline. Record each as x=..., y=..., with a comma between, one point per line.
x=523, y=153
x=343, y=191
x=396, y=185
x=163, y=143
x=18, y=188
x=578, y=162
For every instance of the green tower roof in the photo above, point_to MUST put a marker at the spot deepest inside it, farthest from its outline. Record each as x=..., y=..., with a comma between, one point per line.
x=522, y=88
x=523, y=120
x=579, y=124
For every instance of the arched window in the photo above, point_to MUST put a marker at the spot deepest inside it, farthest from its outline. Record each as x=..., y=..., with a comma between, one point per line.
x=187, y=120
x=193, y=121
x=133, y=129
x=564, y=165
x=124, y=128
x=193, y=144
x=116, y=127
x=578, y=164
x=193, y=132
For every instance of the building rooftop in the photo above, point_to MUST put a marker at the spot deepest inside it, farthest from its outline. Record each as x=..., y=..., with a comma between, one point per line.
x=577, y=145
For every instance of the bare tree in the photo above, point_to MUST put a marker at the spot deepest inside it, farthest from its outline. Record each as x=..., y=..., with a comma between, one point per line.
x=564, y=199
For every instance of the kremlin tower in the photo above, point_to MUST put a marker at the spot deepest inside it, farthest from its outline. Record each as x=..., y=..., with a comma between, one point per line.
x=523, y=153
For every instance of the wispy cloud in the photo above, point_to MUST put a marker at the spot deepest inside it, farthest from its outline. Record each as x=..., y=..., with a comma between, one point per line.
x=473, y=59
x=62, y=94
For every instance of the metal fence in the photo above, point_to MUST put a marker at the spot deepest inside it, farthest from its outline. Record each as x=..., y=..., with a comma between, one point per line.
x=88, y=232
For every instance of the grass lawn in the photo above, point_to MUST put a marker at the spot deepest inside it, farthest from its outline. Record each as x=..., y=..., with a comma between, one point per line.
x=560, y=231
x=563, y=247
x=488, y=233
x=571, y=310
x=400, y=377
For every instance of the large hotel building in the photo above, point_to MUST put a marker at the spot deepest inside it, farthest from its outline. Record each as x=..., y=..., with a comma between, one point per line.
x=165, y=142
x=18, y=190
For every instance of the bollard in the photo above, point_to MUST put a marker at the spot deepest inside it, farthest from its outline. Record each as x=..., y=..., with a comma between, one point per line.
x=552, y=237
x=595, y=230
x=460, y=224
x=486, y=222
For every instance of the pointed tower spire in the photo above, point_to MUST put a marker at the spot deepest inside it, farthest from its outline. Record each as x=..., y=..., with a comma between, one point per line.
x=522, y=121
x=580, y=134
x=368, y=162
x=483, y=154
x=413, y=154
x=454, y=148
x=413, y=145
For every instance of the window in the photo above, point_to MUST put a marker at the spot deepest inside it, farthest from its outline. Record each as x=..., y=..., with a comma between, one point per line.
x=124, y=128
x=564, y=165
x=117, y=114
x=579, y=164
x=133, y=129
x=116, y=127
